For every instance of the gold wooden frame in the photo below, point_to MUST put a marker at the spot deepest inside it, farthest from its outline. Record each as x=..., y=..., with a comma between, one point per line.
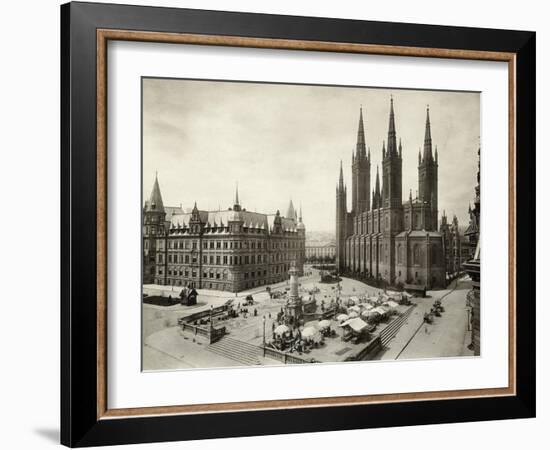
x=104, y=35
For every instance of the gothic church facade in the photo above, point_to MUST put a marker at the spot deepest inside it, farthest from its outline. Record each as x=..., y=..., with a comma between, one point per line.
x=387, y=238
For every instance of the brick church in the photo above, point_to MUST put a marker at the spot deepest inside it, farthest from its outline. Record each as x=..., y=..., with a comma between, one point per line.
x=383, y=236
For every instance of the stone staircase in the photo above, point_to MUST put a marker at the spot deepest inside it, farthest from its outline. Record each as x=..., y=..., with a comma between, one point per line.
x=243, y=352
x=388, y=333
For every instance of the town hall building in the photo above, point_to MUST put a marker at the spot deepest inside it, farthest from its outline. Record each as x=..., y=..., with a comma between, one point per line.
x=230, y=250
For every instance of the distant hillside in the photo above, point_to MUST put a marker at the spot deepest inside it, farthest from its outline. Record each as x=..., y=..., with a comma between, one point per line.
x=324, y=237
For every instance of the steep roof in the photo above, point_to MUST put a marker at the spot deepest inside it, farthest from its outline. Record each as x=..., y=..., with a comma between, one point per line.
x=155, y=200
x=420, y=234
x=222, y=218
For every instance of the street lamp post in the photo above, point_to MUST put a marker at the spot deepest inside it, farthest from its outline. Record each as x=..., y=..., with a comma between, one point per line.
x=263, y=320
x=211, y=313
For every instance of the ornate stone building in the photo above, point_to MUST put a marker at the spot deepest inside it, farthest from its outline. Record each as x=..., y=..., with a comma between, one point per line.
x=320, y=251
x=455, y=246
x=473, y=267
x=388, y=238
x=473, y=229
x=229, y=250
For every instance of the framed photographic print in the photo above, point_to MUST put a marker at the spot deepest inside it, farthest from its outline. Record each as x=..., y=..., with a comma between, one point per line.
x=277, y=224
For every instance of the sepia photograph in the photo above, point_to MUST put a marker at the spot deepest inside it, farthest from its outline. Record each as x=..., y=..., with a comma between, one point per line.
x=305, y=224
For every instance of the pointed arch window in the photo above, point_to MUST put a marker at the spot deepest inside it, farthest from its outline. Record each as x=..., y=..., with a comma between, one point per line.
x=399, y=254
x=416, y=254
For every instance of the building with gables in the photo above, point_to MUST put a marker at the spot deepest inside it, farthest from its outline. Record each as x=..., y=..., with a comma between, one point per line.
x=387, y=238
x=456, y=246
x=473, y=230
x=230, y=250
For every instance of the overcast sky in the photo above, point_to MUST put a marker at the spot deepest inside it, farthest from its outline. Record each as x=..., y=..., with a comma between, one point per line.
x=282, y=142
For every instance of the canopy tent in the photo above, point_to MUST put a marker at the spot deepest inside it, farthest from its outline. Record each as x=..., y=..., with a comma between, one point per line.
x=367, y=307
x=324, y=324
x=379, y=310
x=354, y=299
x=354, y=308
x=353, y=314
x=309, y=332
x=392, y=304
x=342, y=317
x=281, y=329
x=356, y=324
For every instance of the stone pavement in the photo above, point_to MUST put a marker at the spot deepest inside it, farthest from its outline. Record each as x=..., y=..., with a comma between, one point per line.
x=447, y=336
x=171, y=349
x=167, y=347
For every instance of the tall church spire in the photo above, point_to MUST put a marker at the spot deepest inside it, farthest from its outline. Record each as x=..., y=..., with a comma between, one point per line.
x=376, y=197
x=427, y=156
x=341, y=180
x=392, y=136
x=361, y=151
x=428, y=178
x=291, y=212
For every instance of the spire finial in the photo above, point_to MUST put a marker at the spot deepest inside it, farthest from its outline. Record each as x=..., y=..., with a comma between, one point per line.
x=428, y=137
x=360, y=147
x=236, y=193
x=392, y=140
